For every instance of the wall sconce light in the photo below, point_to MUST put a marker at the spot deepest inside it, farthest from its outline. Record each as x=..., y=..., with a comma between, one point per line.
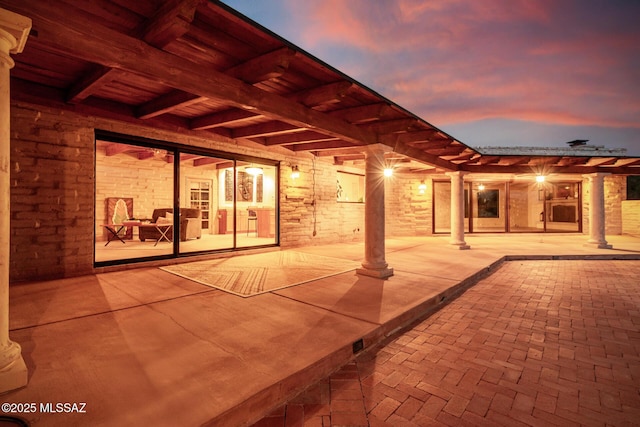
x=539, y=179
x=422, y=187
x=295, y=172
x=388, y=172
x=481, y=187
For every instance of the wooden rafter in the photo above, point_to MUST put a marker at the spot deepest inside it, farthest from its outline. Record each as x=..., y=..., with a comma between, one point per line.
x=298, y=138
x=167, y=103
x=224, y=118
x=265, y=129
x=268, y=66
x=112, y=49
x=362, y=114
x=320, y=146
x=326, y=94
x=391, y=126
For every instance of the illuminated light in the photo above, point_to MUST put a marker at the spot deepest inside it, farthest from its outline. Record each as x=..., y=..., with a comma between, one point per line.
x=481, y=187
x=540, y=178
x=295, y=172
x=422, y=187
x=388, y=171
x=253, y=170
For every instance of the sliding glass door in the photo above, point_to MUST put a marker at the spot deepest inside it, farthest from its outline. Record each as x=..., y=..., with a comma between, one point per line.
x=154, y=200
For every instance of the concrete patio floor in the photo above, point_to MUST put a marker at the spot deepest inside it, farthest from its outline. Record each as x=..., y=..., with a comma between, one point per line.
x=143, y=346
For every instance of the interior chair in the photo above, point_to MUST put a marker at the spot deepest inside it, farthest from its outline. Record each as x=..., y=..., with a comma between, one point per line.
x=252, y=216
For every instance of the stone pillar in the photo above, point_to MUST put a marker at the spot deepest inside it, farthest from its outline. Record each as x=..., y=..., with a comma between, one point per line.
x=374, y=263
x=596, y=211
x=14, y=30
x=457, y=209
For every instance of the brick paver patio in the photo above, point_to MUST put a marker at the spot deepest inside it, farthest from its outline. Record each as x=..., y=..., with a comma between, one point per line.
x=537, y=343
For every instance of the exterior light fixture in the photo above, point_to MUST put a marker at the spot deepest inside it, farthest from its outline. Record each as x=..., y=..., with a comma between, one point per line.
x=388, y=172
x=481, y=187
x=540, y=179
x=422, y=187
x=253, y=170
x=295, y=172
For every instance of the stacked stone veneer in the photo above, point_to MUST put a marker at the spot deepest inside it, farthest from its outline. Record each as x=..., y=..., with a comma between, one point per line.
x=631, y=215
x=54, y=211
x=408, y=213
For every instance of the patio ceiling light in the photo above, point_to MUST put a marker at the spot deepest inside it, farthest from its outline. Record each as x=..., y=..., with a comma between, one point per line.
x=253, y=170
x=388, y=172
x=540, y=178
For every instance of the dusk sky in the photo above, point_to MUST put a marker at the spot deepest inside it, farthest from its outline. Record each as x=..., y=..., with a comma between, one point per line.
x=488, y=72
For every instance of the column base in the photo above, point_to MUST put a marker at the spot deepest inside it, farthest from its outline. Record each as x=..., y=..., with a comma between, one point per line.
x=599, y=245
x=14, y=376
x=460, y=245
x=378, y=273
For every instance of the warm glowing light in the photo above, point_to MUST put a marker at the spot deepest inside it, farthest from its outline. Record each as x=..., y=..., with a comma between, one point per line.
x=540, y=178
x=388, y=171
x=422, y=187
x=253, y=170
x=295, y=172
x=481, y=187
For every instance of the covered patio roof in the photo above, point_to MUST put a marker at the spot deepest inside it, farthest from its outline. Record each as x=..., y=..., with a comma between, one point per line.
x=199, y=66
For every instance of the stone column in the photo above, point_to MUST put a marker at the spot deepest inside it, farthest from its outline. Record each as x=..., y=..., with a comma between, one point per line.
x=14, y=30
x=457, y=209
x=596, y=211
x=374, y=263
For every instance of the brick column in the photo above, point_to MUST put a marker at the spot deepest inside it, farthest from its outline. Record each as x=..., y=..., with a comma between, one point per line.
x=457, y=210
x=374, y=263
x=596, y=211
x=14, y=30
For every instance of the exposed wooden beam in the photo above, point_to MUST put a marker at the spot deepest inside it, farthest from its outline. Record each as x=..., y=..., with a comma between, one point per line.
x=264, y=129
x=90, y=83
x=110, y=48
x=171, y=21
x=166, y=103
x=224, y=118
x=423, y=157
x=391, y=126
x=298, y=138
x=320, y=146
x=429, y=144
x=362, y=114
x=326, y=94
x=599, y=161
x=264, y=67
x=627, y=162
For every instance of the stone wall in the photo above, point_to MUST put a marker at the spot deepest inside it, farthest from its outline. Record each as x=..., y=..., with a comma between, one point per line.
x=53, y=208
x=631, y=217
x=407, y=211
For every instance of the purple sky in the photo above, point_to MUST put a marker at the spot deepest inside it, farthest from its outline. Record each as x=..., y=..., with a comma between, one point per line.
x=490, y=72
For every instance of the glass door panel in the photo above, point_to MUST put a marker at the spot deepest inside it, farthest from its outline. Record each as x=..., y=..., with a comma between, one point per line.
x=205, y=207
x=526, y=207
x=562, y=207
x=256, y=204
x=133, y=201
x=488, y=207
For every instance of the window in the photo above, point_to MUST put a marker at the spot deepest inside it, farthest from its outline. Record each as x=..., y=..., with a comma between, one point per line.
x=633, y=187
x=350, y=187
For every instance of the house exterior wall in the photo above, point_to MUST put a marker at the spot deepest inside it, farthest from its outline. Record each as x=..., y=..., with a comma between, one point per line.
x=631, y=217
x=53, y=179
x=408, y=213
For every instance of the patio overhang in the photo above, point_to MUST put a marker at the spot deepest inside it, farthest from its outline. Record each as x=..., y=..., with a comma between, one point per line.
x=198, y=66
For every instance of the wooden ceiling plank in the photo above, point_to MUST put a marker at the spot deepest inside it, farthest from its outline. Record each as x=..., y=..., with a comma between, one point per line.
x=265, y=67
x=320, y=146
x=326, y=94
x=264, y=129
x=112, y=49
x=223, y=118
x=298, y=138
x=391, y=126
x=362, y=114
x=167, y=103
